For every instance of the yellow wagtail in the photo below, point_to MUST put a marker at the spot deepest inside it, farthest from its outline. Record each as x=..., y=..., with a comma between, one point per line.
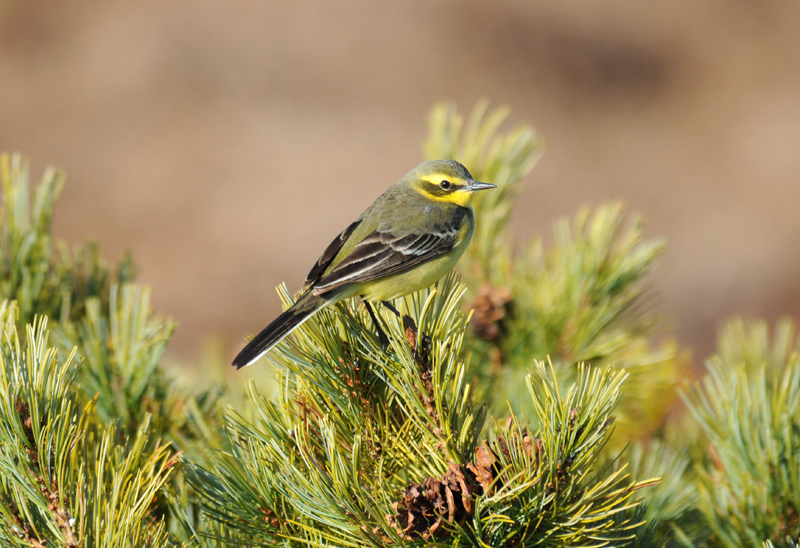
x=412, y=235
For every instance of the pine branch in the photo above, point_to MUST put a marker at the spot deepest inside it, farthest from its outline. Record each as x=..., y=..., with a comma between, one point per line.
x=748, y=407
x=365, y=448
x=63, y=480
x=670, y=509
x=26, y=243
x=787, y=542
x=45, y=278
x=581, y=300
x=120, y=350
x=107, y=324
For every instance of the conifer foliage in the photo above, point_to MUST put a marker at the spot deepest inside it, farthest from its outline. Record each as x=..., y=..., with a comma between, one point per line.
x=367, y=448
x=520, y=402
x=748, y=407
x=90, y=426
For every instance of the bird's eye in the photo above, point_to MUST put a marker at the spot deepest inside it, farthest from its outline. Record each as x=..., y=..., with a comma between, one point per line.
x=445, y=185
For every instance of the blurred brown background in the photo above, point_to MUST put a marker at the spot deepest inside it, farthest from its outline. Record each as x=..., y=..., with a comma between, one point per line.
x=226, y=143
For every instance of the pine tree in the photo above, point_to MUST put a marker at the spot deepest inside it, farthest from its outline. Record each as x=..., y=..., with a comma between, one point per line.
x=91, y=425
x=521, y=400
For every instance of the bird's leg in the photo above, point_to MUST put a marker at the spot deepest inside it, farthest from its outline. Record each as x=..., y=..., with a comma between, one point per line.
x=381, y=335
x=391, y=307
x=408, y=321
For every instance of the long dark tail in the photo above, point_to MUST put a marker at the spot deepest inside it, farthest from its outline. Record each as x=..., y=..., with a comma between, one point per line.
x=303, y=309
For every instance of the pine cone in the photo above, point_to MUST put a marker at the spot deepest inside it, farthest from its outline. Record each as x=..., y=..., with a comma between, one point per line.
x=426, y=507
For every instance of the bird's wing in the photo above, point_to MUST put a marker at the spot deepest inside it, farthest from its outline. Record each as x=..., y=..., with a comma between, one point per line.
x=383, y=253
x=329, y=254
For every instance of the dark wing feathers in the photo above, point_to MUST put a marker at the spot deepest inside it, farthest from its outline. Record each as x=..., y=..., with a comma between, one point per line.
x=382, y=254
x=329, y=254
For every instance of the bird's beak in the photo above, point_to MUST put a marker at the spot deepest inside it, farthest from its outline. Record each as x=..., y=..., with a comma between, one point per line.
x=475, y=185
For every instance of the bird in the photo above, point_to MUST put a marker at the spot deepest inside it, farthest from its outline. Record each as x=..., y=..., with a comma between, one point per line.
x=411, y=236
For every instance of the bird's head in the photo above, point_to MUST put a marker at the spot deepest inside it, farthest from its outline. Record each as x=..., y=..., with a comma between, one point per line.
x=445, y=181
